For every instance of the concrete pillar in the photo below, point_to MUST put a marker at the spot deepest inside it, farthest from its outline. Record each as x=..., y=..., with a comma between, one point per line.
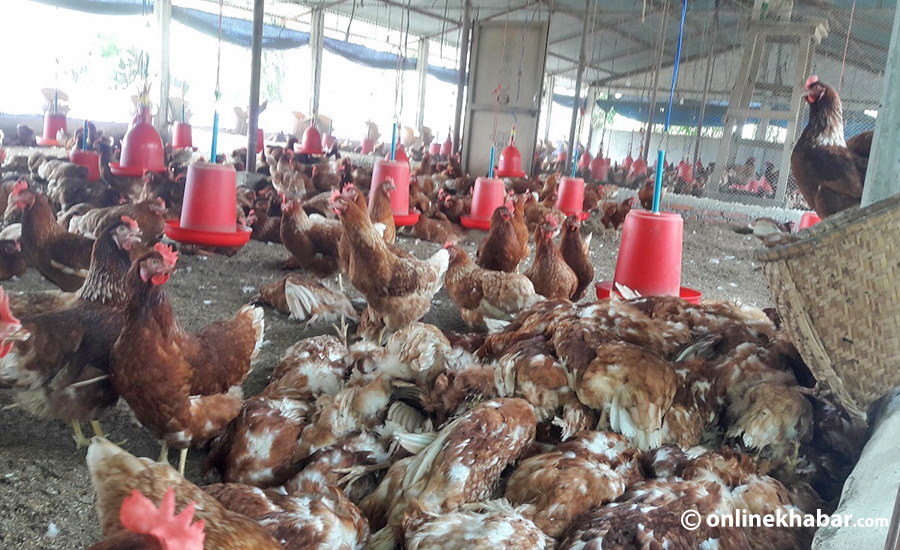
x=463, y=64
x=884, y=162
x=316, y=46
x=422, y=71
x=573, y=153
x=162, y=11
x=255, y=69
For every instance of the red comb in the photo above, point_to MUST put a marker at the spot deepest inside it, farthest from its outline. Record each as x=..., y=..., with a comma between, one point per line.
x=335, y=194
x=129, y=222
x=811, y=80
x=139, y=515
x=21, y=185
x=552, y=220
x=169, y=257
x=448, y=244
x=5, y=314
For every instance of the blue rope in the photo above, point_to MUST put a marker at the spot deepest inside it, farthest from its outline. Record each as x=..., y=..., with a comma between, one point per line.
x=677, y=61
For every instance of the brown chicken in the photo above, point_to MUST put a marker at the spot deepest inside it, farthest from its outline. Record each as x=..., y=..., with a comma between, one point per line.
x=645, y=195
x=518, y=221
x=398, y=290
x=500, y=249
x=60, y=369
x=12, y=261
x=380, y=210
x=436, y=230
x=828, y=172
x=115, y=474
x=265, y=227
x=311, y=240
x=494, y=295
x=577, y=254
x=61, y=257
x=149, y=215
x=182, y=386
x=306, y=299
x=614, y=213
x=551, y=275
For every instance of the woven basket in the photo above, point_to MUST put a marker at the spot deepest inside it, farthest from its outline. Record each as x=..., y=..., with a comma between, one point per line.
x=838, y=293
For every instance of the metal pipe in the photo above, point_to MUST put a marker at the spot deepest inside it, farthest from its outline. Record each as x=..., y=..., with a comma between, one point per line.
x=422, y=69
x=316, y=45
x=461, y=82
x=661, y=43
x=163, y=11
x=571, y=157
x=710, y=62
x=255, y=69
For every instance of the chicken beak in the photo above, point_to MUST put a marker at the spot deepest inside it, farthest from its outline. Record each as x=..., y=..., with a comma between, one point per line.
x=19, y=335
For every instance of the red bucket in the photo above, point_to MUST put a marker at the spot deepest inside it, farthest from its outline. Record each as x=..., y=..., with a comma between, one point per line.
x=809, y=219
x=368, y=145
x=53, y=123
x=489, y=195
x=447, y=148
x=399, y=154
x=260, y=140
x=88, y=159
x=181, y=136
x=599, y=169
x=210, y=198
x=398, y=172
x=570, y=199
x=650, y=254
x=435, y=149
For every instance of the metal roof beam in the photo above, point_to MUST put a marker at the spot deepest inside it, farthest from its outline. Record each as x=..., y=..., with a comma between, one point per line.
x=641, y=70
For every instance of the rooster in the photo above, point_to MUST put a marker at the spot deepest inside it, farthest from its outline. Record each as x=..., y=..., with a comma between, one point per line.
x=182, y=386
x=398, y=290
x=829, y=171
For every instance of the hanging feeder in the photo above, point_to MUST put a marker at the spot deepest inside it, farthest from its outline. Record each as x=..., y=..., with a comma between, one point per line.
x=510, y=161
x=489, y=195
x=434, y=149
x=605, y=288
x=399, y=154
x=182, y=136
x=599, y=169
x=53, y=123
x=570, y=198
x=447, y=148
x=208, y=216
x=142, y=149
x=398, y=172
x=312, y=142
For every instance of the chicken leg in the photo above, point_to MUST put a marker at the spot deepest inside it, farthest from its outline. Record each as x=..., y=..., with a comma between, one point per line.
x=98, y=431
x=80, y=440
x=182, y=460
x=164, y=452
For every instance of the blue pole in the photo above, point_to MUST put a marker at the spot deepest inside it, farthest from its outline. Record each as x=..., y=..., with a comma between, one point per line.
x=212, y=154
x=394, y=142
x=657, y=189
x=491, y=170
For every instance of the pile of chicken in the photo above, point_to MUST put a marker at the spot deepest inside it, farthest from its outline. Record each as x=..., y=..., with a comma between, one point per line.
x=576, y=424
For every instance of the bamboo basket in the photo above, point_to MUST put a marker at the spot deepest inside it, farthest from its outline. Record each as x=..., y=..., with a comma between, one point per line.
x=837, y=291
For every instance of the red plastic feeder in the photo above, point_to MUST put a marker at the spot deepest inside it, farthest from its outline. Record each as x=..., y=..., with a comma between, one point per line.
x=208, y=213
x=510, y=162
x=626, y=164
x=368, y=145
x=53, y=123
x=329, y=141
x=435, y=149
x=489, y=195
x=88, y=159
x=260, y=140
x=142, y=150
x=399, y=154
x=599, y=169
x=561, y=156
x=570, y=199
x=809, y=219
x=605, y=288
x=447, y=148
x=181, y=136
x=312, y=142
x=650, y=253
x=585, y=161
x=398, y=172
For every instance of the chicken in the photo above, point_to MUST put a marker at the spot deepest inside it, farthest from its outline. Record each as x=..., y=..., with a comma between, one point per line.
x=479, y=526
x=771, y=419
x=116, y=473
x=398, y=290
x=586, y=472
x=551, y=275
x=518, y=221
x=614, y=213
x=452, y=470
x=150, y=528
x=500, y=249
x=265, y=228
x=183, y=387
x=149, y=215
x=577, y=254
x=12, y=261
x=645, y=195
x=829, y=174
x=380, y=210
x=436, y=230
x=60, y=369
x=311, y=240
x=632, y=387
x=529, y=370
x=306, y=300
x=493, y=295
x=61, y=257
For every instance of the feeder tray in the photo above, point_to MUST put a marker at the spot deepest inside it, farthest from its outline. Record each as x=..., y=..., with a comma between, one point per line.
x=472, y=223
x=207, y=238
x=405, y=221
x=126, y=171
x=605, y=288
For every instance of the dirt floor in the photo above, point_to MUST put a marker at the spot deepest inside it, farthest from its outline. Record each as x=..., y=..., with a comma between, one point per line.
x=46, y=498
